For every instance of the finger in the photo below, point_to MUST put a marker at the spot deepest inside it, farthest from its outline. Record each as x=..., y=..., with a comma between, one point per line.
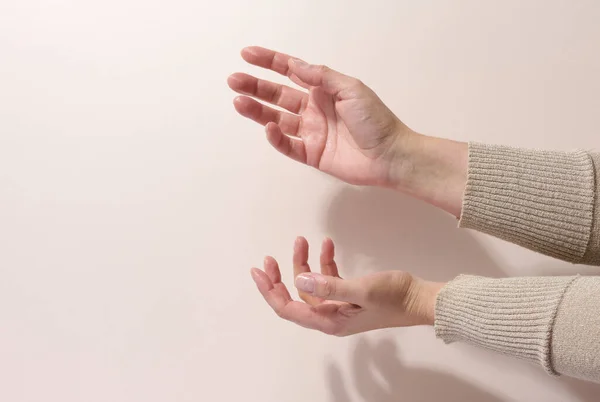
x=276, y=295
x=330, y=288
x=263, y=114
x=272, y=269
x=297, y=312
x=328, y=265
x=298, y=81
x=262, y=280
x=289, y=146
x=266, y=58
x=300, y=262
x=332, y=82
x=288, y=98
x=300, y=258
x=266, y=285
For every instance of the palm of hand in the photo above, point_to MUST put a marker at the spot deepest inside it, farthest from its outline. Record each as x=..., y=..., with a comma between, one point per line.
x=337, y=142
x=338, y=318
x=346, y=133
x=381, y=305
x=343, y=318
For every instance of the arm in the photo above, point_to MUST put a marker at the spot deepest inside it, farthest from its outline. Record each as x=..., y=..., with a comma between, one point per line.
x=551, y=321
x=545, y=201
x=548, y=202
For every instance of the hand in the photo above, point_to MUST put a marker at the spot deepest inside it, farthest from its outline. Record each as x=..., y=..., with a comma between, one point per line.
x=343, y=307
x=339, y=126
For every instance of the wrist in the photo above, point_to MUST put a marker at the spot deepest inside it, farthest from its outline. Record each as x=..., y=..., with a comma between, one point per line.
x=425, y=296
x=431, y=169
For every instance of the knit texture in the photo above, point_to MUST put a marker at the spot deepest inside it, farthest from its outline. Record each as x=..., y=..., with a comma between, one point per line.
x=512, y=316
x=592, y=254
x=576, y=334
x=548, y=202
x=541, y=200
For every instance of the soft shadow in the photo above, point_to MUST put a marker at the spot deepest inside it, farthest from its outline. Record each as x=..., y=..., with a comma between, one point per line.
x=393, y=231
x=398, y=382
x=377, y=229
x=561, y=268
x=585, y=391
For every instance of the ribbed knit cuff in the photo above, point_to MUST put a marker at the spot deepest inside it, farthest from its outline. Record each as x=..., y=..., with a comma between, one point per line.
x=538, y=199
x=592, y=254
x=512, y=316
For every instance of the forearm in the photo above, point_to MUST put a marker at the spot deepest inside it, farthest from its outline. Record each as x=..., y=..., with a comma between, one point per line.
x=546, y=201
x=552, y=321
x=431, y=169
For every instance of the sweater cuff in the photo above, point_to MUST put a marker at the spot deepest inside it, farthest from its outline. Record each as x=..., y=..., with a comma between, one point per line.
x=541, y=200
x=592, y=254
x=512, y=316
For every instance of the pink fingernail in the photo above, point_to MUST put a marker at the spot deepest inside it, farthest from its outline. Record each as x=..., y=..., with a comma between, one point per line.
x=305, y=283
x=300, y=63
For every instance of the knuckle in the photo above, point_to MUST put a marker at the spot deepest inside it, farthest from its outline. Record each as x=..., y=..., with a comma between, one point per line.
x=356, y=86
x=329, y=289
x=322, y=68
x=277, y=94
x=356, y=83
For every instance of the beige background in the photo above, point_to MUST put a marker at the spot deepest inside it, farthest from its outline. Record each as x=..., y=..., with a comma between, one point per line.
x=133, y=201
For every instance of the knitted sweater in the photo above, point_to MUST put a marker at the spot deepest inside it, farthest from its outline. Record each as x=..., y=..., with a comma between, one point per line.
x=548, y=202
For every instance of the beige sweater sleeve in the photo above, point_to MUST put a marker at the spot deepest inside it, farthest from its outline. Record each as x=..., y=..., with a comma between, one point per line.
x=548, y=202
x=545, y=201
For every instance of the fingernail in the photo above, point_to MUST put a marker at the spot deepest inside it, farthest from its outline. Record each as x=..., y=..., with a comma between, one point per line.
x=233, y=79
x=300, y=63
x=254, y=274
x=305, y=283
x=249, y=50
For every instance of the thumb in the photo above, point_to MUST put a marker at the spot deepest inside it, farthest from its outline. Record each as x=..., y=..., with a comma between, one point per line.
x=330, y=287
x=332, y=82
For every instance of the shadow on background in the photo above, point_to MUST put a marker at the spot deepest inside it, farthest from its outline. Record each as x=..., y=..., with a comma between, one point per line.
x=379, y=376
x=393, y=231
x=397, y=232
x=561, y=268
x=585, y=391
